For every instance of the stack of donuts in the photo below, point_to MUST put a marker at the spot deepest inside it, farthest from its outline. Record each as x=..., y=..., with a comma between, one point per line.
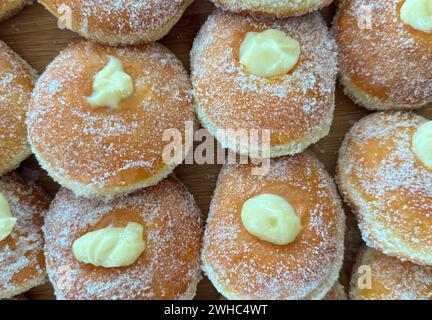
x=262, y=83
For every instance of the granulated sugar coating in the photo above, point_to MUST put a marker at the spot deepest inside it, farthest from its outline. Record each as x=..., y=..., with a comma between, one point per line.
x=241, y=266
x=297, y=108
x=392, y=279
x=16, y=84
x=387, y=186
x=167, y=269
x=119, y=21
x=101, y=151
x=22, y=265
x=279, y=8
x=384, y=63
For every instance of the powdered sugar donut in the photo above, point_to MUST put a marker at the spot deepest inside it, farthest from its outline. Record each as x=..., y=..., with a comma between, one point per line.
x=278, y=8
x=242, y=266
x=297, y=107
x=124, y=22
x=22, y=264
x=103, y=151
x=387, y=186
x=16, y=84
x=167, y=269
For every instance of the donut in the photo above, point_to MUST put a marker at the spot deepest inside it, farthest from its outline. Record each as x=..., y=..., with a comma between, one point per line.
x=243, y=266
x=384, y=63
x=387, y=186
x=22, y=264
x=122, y=22
x=10, y=7
x=102, y=150
x=16, y=84
x=167, y=269
x=296, y=108
x=390, y=278
x=273, y=8
x=336, y=293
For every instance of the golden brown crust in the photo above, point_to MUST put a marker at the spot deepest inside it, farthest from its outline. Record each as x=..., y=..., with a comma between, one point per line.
x=22, y=264
x=387, y=187
x=122, y=22
x=297, y=108
x=384, y=65
x=274, y=8
x=241, y=266
x=168, y=268
x=106, y=152
x=9, y=8
x=16, y=84
x=391, y=278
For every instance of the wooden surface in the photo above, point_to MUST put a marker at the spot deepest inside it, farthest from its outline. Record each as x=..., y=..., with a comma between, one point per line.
x=33, y=33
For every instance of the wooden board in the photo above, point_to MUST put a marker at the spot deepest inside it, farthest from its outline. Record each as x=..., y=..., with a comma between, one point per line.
x=33, y=33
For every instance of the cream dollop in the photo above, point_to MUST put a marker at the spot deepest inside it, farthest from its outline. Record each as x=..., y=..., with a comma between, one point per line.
x=270, y=53
x=111, y=85
x=417, y=14
x=422, y=144
x=111, y=247
x=271, y=218
x=7, y=222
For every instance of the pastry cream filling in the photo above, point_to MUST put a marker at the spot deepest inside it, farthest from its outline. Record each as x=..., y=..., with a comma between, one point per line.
x=422, y=144
x=111, y=247
x=417, y=14
x=111, y=85
x=271, y=218
x=7, y=222
x=269, y=54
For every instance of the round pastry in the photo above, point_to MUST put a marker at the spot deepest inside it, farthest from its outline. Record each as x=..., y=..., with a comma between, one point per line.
x=121, y=22
x=385, y=173
x=395, y=72
x=276, y=8
x=16, y=84
x=9, y=7
x=98, y=116
x=165, y=267
x=276, y=236
x=22, y=265
x=336, y=293
x=273, y=80
x=380, y=277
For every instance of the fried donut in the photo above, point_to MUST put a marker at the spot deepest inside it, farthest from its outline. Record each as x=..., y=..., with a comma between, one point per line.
x=276, y=8
x=22, y=264
x=384, y=63
x=9, y=8
x=167, y=269
x=336, y=293
x=387, y=187
x=241, y=266
x=105, y=151
x=121, y=22
x=16, y=84
x=297, y=107
x=391, y=278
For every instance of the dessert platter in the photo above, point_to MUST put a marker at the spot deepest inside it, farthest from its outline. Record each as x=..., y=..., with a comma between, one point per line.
x=318, y=182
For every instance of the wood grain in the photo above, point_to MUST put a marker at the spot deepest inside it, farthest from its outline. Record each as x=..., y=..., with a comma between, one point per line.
x=33, y=33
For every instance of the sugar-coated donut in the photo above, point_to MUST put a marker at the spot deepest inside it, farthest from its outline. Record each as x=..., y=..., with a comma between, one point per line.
x=391, y=279
x=104, y=151
x=167, y=269
x=10, y=7
x=121, y=22
x=336, y=293
x=388, y=188
x=384, y=63
x=277, y=8
x=241, y=266
x=16, y=84
x=22, y=264
x=297, y=108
